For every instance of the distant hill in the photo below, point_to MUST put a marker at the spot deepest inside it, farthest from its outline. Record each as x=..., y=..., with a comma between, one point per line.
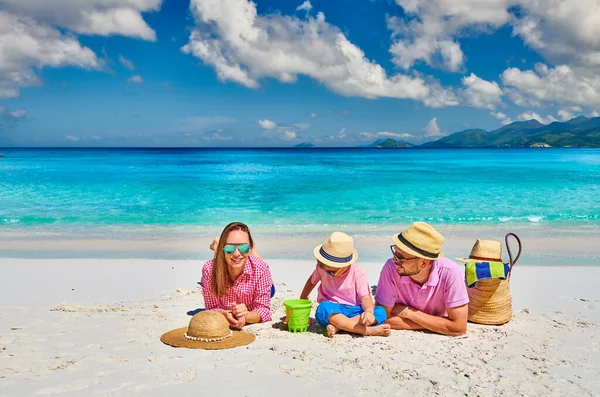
x=304, y=145
x=389, y=143
x=578, y=132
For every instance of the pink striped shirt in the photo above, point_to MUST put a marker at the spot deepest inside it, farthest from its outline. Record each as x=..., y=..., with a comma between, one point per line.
x=252, y=288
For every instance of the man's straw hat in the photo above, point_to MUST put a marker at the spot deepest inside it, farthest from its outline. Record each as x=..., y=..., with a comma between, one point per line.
x=207, y=330
x=421, y=240
x=336, y=251
x=485, y=251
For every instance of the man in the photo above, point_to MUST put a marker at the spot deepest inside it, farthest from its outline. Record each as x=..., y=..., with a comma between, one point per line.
x=419, y=288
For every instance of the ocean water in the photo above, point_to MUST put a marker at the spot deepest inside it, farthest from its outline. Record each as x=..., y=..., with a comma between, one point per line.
x=291, y=189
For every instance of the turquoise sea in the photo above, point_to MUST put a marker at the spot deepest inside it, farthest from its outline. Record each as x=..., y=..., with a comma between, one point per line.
x=129, y=192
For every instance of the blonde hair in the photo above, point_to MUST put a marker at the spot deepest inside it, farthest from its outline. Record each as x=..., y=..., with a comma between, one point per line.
x=220, y=278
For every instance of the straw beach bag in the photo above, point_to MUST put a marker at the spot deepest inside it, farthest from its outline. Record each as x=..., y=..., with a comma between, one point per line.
x=490, y=301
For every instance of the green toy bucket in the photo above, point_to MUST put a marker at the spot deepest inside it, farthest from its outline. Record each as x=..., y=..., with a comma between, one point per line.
x=297, y=312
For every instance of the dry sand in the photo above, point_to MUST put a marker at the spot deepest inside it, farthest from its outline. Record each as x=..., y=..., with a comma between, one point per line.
x=92, y=327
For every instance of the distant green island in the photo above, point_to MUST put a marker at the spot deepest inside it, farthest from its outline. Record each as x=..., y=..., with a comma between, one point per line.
x=578, y=132
x=581, y=132
x=305, y=144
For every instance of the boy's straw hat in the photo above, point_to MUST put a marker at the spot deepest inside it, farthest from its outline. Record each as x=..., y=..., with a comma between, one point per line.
x=207, y=330
x=485, y=250
x=336, y=251
x=421, y=240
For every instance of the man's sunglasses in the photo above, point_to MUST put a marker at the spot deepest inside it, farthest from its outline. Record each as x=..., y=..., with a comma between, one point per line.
x=399, y=260
x=230, y=248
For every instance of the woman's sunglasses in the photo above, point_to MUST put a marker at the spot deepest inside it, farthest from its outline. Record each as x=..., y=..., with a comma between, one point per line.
x=230, y=248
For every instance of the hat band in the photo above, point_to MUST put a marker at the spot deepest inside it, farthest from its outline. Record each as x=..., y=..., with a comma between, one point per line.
x=414, y=248
x=207, y=339
x=481, y=258
x=332, y=258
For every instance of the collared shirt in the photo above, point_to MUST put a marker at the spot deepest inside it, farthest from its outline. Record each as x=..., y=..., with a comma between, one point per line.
x=444, y=289
x=252, y=288
x=347, y=289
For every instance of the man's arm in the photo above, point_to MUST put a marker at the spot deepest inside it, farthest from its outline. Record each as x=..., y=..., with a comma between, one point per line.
x=398, y=322
x=454, y=325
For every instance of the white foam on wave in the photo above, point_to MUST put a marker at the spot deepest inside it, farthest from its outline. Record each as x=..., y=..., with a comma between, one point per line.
x=4, y=220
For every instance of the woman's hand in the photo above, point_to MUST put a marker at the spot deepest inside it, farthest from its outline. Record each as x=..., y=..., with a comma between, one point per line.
x=234, y=323
x=239, y=311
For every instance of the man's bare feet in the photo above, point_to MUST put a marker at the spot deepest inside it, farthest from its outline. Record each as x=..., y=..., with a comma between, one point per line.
x=331, y=330
x=379, y=330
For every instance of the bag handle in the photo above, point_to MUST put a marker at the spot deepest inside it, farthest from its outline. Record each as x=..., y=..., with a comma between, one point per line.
x=512, y=261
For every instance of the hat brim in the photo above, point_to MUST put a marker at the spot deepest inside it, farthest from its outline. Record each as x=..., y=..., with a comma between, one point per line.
x=176, y=338
x=465, y=260
x=409, y=250
x=327, y=262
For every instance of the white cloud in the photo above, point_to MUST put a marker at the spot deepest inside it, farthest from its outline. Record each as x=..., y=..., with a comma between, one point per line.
x=565, y=114
x=137, y=79
x=594, y=114
x=126, y=62
x=244, y=47
x=27, y=45
x=394, y=135
x=369, y=136
x=91, y=17
x=562, y=85
x=481, y=93
x=428, y=30
x=267, y=124
x=73, y=138
x=289, y=135
x=342, y=133
x=504, y=119
x=306, y=6
x=95, y=137
x=18, y=113
x=432, y=129
x=563, y=31
x=37, y=33
x=313, y=115
x=534, y=116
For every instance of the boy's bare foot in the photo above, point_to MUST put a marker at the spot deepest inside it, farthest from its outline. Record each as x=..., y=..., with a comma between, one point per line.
x=379, y=330
x=331, y=330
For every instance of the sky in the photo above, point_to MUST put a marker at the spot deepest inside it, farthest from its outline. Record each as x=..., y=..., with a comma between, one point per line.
x=237, y=73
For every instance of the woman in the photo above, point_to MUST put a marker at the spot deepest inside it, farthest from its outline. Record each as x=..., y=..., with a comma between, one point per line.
x=236, y=282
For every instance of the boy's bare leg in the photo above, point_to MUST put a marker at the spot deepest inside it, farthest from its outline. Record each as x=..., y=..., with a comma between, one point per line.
x=338, y=322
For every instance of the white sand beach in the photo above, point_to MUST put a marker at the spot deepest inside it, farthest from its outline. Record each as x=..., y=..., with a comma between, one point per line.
x=92, y=327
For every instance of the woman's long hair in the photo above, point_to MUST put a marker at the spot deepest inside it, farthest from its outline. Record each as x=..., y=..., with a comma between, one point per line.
x=221, y=279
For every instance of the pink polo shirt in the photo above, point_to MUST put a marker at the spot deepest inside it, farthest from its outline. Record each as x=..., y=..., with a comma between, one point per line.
x=252, y=288
x=445, y=288
x=347, y=289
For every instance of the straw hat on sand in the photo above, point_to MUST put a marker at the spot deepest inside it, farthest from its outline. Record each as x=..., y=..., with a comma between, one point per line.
x=485, y=251
x=337, y=250
x=207, y=330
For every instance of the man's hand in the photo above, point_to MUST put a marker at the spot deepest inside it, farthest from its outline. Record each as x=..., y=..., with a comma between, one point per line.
x=402, y=311
x=239, y=310
x=367, y=318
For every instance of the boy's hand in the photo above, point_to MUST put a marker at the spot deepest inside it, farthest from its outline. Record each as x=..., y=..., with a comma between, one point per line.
x=213, y=245
x=367, y=318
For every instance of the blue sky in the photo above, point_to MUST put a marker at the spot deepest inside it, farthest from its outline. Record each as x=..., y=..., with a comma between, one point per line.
x=277, y=73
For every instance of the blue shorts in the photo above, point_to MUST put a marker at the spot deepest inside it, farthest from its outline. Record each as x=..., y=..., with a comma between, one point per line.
x=327, y=308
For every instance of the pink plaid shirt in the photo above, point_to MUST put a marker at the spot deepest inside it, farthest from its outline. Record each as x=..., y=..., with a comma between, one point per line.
x=252, y=288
